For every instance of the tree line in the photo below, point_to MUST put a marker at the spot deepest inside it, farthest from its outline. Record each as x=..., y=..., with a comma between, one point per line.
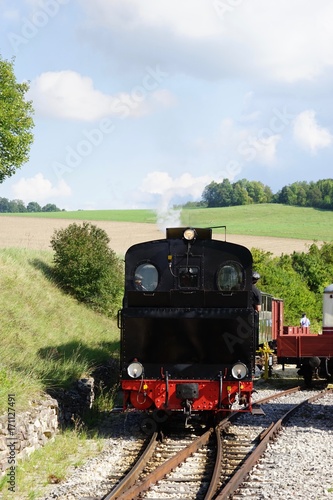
x=17, y=206
x=243, y=192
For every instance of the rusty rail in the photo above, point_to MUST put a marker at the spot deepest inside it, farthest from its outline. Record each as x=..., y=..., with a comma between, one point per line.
x=134, y=473
x=241, y=474
x=127, y=489
x=167, y=467
x=278, y=395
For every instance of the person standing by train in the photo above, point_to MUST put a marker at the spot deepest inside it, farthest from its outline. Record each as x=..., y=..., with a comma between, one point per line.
x=304, y=322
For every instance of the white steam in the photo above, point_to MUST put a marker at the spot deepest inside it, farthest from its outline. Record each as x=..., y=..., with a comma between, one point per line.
x=167, y=192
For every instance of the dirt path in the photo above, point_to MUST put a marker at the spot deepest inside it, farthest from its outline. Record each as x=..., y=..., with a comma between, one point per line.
x=35, y=233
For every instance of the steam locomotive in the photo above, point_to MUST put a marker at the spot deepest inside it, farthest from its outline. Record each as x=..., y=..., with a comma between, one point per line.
x=187, y=324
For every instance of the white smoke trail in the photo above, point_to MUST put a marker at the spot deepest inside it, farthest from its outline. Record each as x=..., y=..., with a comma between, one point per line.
x=168, y=218
x=166, y=190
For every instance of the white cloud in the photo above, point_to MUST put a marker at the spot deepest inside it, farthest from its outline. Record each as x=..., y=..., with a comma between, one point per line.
x=243, y=144
x=69, y=95
x=189, y=18
x=39, y=189
x=66, y=94
x=165, y=191
x=309, y=134
x=163, y=184
x=266, y=149
x=284, y=41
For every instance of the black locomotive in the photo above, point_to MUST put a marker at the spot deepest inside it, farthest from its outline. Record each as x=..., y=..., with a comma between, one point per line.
x=187, y=324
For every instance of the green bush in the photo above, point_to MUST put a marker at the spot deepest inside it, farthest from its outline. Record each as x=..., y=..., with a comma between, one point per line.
x=87, y=268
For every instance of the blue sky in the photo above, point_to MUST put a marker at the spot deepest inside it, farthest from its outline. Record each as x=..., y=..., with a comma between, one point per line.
x=141, y=104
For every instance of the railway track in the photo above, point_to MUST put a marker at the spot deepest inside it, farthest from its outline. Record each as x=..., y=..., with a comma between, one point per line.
x=260, y=443
x=212, y=465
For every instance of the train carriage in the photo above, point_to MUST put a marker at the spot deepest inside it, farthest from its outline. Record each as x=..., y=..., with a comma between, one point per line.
x=187, y=324
x=311, y=352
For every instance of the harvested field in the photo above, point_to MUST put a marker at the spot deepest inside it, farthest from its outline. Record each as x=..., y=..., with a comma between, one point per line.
x=35, y=233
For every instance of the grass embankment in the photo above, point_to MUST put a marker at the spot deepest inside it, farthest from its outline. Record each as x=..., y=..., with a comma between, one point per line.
x=282, y=221
x=48, y=340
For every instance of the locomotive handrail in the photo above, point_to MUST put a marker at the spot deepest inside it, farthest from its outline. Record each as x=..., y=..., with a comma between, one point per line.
x=219, y=227
x=119, y=319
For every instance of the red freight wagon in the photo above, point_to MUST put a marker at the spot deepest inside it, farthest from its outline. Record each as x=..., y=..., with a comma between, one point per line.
x=302, y=345
x=312, y=353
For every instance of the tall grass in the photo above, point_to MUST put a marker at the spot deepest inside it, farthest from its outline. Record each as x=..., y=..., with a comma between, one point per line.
x=48, y=339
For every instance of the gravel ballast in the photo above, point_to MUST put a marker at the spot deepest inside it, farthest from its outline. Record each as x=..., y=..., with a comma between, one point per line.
x=297, y=465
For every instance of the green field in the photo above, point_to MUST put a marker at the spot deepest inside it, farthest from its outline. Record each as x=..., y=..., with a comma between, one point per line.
x=282, y=221
x=146, y=216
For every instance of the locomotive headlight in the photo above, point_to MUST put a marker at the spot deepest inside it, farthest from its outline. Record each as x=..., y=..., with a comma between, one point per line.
x=135, y=369
x=189, y=234
x=239, y=370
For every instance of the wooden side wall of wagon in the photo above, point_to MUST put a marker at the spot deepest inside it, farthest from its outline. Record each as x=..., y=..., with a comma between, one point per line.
x=313, y=355
x=298, y=346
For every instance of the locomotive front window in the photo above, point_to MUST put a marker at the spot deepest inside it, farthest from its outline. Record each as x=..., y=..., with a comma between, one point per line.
x=146, y=278
x=230, y=277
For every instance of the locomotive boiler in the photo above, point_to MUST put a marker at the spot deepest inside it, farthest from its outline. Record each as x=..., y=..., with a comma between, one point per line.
x=187, y=325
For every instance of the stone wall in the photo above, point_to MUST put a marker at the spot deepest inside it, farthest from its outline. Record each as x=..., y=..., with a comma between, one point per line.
x=27, y=431
x=76, y=401
x=23, y=433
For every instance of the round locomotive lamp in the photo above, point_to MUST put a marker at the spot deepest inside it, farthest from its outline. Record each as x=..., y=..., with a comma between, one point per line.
x=189, y=234
x=239, y=371
x=135, y=369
